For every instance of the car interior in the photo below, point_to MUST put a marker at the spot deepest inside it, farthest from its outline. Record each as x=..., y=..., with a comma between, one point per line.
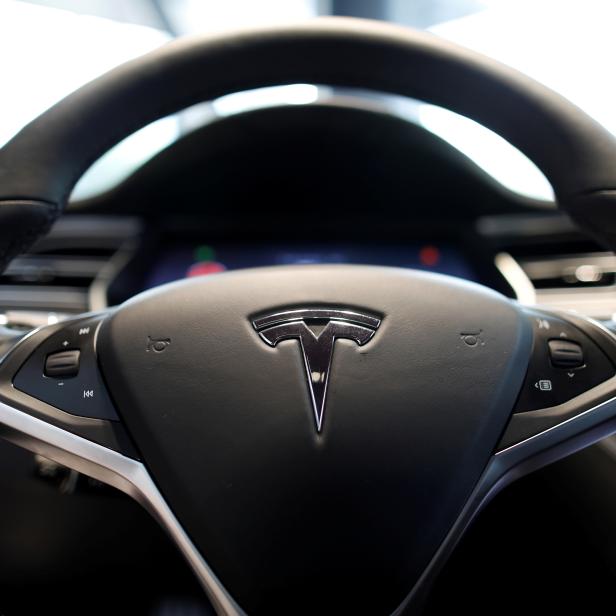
x=307, y=307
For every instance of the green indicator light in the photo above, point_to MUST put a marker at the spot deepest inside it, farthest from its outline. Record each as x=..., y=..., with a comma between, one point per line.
x=205, y=253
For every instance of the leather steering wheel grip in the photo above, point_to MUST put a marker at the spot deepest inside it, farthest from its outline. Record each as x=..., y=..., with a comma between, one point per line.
x=41, y=164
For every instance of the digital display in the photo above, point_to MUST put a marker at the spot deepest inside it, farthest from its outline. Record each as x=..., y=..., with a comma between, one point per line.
x=177, y=262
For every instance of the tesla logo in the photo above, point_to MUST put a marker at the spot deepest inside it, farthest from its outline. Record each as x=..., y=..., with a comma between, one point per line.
x=317, y=330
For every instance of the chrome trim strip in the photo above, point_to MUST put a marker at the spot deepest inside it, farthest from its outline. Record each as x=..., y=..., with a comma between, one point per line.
x=98, y=290
x=119, y=471
x=597, y=407
x=513, y=273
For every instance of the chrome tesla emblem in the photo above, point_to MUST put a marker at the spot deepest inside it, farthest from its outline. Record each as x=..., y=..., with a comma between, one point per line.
x=317, y=330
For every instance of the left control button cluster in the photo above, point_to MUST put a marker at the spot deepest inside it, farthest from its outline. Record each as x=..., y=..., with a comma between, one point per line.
x=63, y=372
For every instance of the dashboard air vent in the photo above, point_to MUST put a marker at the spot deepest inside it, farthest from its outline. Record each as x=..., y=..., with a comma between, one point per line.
x=65, y=273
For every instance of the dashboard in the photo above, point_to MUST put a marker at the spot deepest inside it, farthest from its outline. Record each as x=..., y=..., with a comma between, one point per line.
x=187, y=260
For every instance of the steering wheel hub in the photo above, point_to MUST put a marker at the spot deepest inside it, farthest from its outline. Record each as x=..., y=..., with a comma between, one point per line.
x=226, y=423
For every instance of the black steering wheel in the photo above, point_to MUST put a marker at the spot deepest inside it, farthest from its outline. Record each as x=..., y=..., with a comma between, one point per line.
x=315, y=439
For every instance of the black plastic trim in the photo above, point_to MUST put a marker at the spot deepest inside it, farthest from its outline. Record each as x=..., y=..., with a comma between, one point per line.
x=111, y=434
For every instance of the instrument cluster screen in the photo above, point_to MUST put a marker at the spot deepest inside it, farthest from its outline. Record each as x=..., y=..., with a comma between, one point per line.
x=182, y=261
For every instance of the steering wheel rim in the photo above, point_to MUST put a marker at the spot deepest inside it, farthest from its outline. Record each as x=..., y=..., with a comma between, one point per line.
x=40, y=166
x=42, y=163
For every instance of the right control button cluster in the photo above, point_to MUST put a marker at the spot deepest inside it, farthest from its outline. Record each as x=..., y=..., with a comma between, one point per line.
x=565, y=363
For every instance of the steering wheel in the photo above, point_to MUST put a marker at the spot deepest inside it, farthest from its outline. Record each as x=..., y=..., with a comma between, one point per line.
x=315, y=439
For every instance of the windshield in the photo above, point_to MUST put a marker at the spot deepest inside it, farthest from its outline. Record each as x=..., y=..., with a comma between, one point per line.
x=51, y=47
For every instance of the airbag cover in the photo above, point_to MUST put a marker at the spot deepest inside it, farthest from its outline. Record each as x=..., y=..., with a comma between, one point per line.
x=290, y=519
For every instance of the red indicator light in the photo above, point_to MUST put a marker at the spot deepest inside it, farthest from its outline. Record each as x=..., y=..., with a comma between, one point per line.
x=205, y=268
x=429, y=256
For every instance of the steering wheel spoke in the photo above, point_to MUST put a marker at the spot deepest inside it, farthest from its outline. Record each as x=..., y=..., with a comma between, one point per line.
x=568, y=400
x=46, y=382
